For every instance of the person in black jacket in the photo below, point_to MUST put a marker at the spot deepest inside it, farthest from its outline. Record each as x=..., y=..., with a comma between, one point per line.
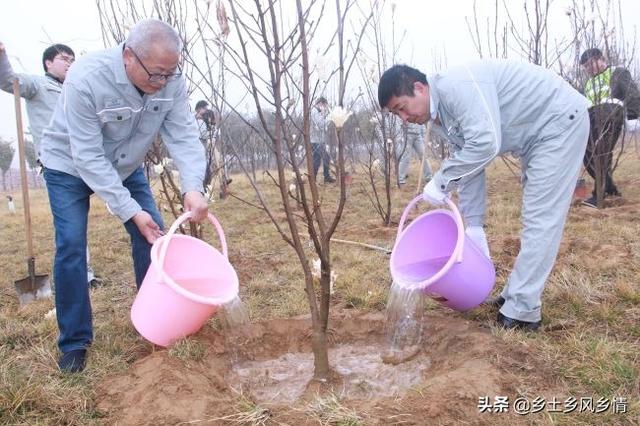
x=613, y=95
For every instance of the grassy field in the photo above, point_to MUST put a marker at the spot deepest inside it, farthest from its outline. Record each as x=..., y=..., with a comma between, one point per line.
x=591, y=305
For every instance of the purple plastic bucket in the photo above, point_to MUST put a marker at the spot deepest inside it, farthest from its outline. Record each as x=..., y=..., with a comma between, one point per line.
x=434, y=254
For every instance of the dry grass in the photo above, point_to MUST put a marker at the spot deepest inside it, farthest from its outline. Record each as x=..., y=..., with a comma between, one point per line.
x=591, y=303
x=328, y=410
x=188, y=350
x=246, y=413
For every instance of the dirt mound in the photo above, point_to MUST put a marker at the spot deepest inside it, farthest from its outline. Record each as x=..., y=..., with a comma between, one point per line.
x=459, y=363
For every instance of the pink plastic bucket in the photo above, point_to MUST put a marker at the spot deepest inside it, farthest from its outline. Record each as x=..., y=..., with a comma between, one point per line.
x=434, y=254
x=186, y=282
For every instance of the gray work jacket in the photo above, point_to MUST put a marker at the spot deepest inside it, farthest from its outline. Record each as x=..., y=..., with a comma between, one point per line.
x=492, y=107
x=102, y=129
x=40, y=92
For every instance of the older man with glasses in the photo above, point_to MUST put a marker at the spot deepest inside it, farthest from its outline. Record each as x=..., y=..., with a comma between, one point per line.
x=112, y=106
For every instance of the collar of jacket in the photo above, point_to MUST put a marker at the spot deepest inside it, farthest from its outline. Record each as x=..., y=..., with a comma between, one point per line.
x=53, y=77
x=438, y=109
x=120, y=73
x=434, y=98
x=608, y=69
x=118, y=65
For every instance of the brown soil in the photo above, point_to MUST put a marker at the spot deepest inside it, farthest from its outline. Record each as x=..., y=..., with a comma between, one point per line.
x=459, y=363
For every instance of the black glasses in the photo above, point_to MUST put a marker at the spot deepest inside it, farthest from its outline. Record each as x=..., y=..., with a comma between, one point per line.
x=65, y=58
x=155, y=78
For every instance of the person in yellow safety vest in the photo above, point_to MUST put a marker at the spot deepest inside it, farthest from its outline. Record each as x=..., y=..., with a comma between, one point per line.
x=612, y=95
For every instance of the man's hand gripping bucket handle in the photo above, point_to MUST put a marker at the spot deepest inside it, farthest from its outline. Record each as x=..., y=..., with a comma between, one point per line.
x=164, y=245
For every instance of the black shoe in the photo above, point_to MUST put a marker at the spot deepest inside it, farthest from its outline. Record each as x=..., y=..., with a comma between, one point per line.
x=495, y=302
x=329, y=180
x=614, y=193
x=510, y=323
x=590, y=202
x=73, y=361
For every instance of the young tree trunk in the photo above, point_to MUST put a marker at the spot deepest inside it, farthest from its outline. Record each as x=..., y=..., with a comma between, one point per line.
x=600, y=178
x=253, y=164
x=320, y=353
x=320, y=327
x=221, y=169
x=387, y=182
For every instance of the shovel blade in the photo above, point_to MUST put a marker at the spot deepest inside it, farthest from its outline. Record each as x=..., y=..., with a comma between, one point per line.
x=33, y=287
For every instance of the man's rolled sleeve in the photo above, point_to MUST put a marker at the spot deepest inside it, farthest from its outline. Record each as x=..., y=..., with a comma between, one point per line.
x=88, y=155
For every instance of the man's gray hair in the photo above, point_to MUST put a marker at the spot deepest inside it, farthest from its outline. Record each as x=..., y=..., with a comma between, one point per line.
x=153, y=31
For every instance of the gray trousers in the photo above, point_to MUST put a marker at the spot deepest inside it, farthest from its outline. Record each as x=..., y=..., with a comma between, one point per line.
x=550, y=169
x=403, y=151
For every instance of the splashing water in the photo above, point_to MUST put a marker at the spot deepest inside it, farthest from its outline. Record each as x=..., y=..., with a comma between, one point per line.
x=235, y=313
x=403, y=327
x=236, y=319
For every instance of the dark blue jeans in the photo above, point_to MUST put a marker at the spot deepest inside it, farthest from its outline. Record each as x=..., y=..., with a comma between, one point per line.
x=69, y=200
x=320, y=155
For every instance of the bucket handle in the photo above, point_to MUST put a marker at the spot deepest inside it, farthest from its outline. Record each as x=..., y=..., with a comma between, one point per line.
x=159, y=261
x=457, y=252
x=183, y=218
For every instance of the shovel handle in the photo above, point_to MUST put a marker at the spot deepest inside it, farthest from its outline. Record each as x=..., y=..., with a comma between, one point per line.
x=31, y=266
x=23, y=172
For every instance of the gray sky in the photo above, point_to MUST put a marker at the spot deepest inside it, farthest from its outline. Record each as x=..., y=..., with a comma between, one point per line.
x=27, y=27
